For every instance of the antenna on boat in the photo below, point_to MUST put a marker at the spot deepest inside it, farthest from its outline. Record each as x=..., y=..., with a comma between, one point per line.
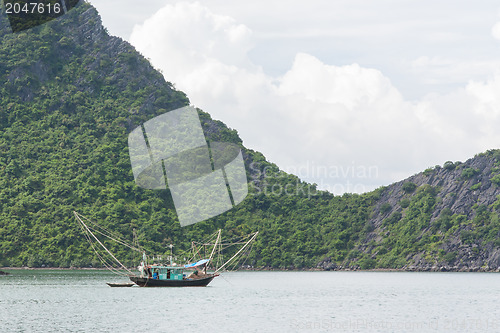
x=135, y=241
x=171, y=246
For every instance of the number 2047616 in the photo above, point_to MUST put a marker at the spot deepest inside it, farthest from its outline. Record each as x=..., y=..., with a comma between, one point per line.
x=33, y=8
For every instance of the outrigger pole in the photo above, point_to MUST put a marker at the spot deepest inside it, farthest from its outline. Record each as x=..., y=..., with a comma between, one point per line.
x=213, y=250
x=237, y=253
x=97, y=239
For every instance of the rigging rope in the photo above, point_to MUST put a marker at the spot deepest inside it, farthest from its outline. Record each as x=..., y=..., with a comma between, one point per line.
x=105, y=263
x=212, y=240
x=100, y=243
x=109, y=234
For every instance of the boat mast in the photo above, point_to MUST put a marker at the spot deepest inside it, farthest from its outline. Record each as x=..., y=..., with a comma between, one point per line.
x=237, y=253
x=213, y=250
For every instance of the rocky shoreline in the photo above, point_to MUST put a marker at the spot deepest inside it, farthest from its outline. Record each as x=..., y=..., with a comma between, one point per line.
x=327, y=265
x=415, y=269
x=319, y=268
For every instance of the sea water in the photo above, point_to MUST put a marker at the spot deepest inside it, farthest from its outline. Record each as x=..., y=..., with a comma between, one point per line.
x=80, y=301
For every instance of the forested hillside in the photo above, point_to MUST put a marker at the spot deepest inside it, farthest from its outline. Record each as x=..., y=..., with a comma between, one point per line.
x=69, y=96
x=445, y=218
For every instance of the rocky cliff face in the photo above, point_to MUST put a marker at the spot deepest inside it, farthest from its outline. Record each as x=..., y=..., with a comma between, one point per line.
x=443, y=219
x=460, y=186
x=50, y=52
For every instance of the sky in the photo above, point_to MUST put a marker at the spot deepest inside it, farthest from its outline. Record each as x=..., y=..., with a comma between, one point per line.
x=348, y=94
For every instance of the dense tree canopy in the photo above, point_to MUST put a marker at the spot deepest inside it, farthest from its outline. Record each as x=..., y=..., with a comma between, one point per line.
x=69, y=96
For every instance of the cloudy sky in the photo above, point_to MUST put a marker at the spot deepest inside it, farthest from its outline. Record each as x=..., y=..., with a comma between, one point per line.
x=348, y=94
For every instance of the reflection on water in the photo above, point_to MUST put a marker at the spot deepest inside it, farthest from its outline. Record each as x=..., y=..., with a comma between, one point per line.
x=80, y=301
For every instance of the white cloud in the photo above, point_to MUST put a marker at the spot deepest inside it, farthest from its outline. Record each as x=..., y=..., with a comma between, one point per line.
x=495, y=31
x=438, y=70
x=350, y=85
x=188, y=34
x=317, y=116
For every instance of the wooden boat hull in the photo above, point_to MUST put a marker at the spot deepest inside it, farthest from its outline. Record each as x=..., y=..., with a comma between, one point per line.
x=147, y=282
x=117, y=285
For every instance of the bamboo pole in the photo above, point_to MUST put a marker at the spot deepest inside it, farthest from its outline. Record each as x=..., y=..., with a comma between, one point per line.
x=97, y=239
x=237, y=253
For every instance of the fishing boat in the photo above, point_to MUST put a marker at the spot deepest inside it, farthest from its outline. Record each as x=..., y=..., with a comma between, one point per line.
x=196, y=273
x=174, y=276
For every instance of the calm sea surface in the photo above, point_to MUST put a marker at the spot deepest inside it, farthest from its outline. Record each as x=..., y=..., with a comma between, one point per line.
x=80, y=301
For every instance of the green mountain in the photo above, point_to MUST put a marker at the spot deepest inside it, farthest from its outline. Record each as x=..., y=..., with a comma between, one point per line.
x=445, y=218
x=69, y=96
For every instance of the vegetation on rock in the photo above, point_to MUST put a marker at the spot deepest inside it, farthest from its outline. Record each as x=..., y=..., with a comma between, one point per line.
x=70, y=94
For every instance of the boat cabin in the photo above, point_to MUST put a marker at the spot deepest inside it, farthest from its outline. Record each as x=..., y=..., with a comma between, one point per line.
x=165, y=273
x=173, y=272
